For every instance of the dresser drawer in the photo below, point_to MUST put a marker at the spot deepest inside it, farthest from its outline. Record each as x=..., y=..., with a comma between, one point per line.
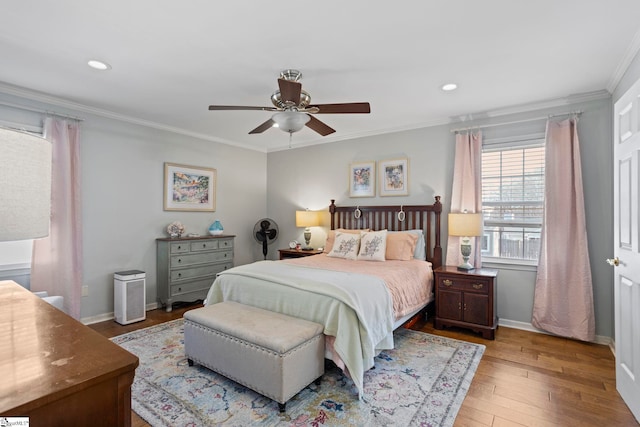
x=205, y=270
x=179, y=248
x=204, y=245
x=464, y=284
x=199, y=258
x=187, y=287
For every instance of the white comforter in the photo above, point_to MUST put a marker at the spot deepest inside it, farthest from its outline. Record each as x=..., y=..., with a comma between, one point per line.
x=354, y=308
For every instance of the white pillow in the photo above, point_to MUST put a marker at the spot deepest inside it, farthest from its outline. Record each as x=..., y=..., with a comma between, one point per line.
x=373, y=245
x=420, y=251
x=345, y=245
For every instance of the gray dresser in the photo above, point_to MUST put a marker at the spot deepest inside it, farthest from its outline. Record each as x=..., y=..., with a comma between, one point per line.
x=188, y=266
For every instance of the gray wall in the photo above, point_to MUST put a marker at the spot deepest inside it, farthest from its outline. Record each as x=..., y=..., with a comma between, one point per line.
x=309, y=177
x=122, y=195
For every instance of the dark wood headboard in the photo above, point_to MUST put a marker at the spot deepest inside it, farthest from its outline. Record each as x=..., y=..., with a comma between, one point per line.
x=424, y=217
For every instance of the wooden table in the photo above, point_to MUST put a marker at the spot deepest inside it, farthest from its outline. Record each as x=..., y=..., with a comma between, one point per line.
x=297, y=253
x=467, y=299
x=57, y=371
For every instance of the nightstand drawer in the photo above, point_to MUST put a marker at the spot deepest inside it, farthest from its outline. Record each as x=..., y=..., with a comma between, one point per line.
x=464, y=284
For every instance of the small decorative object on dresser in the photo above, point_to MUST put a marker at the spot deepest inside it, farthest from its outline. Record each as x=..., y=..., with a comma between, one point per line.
x=216, y=228
x=467, y=299
x=187, y=266
x=297, y=253
x=175, y=229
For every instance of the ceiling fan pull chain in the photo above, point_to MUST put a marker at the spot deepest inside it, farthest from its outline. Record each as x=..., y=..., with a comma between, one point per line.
x=290, y=138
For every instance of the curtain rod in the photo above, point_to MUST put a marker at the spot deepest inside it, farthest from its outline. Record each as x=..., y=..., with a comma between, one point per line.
x=36, y=110
x=577, y=113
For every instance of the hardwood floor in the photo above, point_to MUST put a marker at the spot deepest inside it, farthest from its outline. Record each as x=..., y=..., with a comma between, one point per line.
x=524, y=378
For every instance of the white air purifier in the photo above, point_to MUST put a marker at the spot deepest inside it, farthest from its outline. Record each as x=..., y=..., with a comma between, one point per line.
x=129, y=296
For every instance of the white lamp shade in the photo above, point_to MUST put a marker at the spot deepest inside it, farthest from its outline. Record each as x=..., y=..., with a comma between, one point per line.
x=465, y=224
x=25, y=185
x=307, y=219
x=290, y=121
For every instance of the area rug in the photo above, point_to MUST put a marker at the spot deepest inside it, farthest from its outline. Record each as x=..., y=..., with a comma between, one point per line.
x=421, y=382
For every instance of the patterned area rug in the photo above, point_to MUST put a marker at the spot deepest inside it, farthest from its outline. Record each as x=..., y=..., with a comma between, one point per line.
x=422, y=382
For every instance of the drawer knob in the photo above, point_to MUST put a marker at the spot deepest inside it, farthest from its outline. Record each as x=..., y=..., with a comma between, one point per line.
x=447, y=282
x=477, y=285
x=204, y=245
x=179, y=260
x=179, y=247
x=179, y=274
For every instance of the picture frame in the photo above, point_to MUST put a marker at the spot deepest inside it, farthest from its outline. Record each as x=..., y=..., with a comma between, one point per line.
x=189, y=188
x=393, y=178
x=362, y=179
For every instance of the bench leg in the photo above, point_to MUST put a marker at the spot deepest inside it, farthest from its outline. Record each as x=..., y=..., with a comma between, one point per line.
x=318, y=380
x=282, y=406
x=190, y=362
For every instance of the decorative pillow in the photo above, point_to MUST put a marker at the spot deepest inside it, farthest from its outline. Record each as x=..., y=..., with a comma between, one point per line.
x=373, y=245
x=346, y=245
x=401, y=246
x=420, y=251
x=331, y=236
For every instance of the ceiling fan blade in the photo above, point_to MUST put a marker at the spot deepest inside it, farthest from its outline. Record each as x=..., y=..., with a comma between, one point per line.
x=266, y=125
x=290, y=91
x=319, y=126
x=352, y=107
x=240, y=107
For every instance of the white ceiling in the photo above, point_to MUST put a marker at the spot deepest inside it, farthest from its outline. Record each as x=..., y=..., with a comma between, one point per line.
x=172, y=59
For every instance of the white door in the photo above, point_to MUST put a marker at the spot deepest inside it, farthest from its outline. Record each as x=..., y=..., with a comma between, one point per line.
x=626, y=158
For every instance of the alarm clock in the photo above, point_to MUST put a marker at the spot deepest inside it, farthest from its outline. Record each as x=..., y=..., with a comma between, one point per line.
x=293, y=244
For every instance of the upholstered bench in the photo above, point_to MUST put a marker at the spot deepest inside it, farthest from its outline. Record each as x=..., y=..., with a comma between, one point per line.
x=271, y=353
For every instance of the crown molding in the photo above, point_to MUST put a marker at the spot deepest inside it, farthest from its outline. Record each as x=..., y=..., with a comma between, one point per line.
x=77, y=107
x=624, y=64
x=467, y=118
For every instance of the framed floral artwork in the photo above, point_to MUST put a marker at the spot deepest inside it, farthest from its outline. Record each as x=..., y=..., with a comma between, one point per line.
x=362, y=178
x=393, y=177
x=189, y=188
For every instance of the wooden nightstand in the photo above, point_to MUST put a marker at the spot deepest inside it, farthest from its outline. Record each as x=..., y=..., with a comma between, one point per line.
x=297, y=253
x=467, y=299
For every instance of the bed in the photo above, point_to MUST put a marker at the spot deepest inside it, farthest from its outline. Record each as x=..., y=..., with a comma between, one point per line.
x=359, y=301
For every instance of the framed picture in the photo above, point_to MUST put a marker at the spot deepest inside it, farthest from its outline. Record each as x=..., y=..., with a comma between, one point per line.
x=394, y=177
x=189, y=188
x=362, y=179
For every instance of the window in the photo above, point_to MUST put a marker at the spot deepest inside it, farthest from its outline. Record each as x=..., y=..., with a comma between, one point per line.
x=513, y=199
x=15, y=254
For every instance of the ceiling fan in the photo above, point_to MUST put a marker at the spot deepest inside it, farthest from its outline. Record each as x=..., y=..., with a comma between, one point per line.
x=294, y=109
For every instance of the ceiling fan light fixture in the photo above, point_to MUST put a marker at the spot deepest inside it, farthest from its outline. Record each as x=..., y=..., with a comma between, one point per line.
x=290, y=121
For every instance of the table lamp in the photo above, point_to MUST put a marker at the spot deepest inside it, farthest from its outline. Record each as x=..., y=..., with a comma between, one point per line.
x=465, y=225
x=307, y=219
x=25, y=190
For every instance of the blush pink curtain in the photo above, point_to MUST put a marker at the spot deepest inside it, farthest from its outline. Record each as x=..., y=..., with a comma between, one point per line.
x=563, y=302
x=466, y=192
x=56, y=264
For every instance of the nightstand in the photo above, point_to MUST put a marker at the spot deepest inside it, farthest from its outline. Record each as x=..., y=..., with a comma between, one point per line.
x=297, y=253
x=467, y=299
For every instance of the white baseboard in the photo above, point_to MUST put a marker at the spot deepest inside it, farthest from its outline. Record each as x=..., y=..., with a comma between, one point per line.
x=599, y=339
x=110, y=316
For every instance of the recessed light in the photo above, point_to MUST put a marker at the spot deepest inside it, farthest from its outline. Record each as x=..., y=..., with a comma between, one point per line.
x=449, y=87
x=98, y=65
